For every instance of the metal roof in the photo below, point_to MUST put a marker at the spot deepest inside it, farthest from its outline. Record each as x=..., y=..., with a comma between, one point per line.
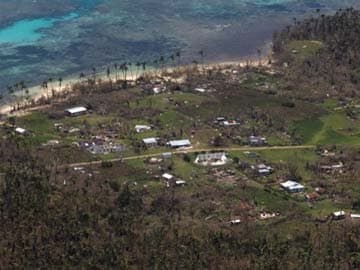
x=76, y=110
x=150, y=140
x=179, y=143
x=292, y=185
x=210, y=156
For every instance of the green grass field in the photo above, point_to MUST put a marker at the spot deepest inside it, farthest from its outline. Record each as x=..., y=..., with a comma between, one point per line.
x=333, y=128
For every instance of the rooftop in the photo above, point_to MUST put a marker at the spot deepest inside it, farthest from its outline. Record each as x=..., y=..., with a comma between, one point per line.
x=76, y=110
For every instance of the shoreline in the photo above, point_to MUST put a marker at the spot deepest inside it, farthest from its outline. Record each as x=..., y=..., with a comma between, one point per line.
x=37, y=92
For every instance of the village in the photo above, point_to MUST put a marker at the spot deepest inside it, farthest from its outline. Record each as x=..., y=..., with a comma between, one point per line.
x=196, y=131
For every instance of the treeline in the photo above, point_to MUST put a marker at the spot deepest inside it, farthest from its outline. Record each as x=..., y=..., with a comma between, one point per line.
x=334, y=68
x=102, y=226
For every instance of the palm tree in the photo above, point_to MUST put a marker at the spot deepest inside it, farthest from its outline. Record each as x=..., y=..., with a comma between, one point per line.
x=51, y=87
x=124, y=68
x=162, y=61
x=108, y=73
x=22, y=87
x=94, y=74
x=172, y=58
x=81, y=76
x=60, y=82
x=201, y=53
x=130, y=69
x=44, y=85
x=138, y=65
x=10, y=89
x=116, y=67
x=178, y=56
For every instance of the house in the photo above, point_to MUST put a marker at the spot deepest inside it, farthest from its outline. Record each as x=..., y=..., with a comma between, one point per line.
x=338, y=215
x=257, y=141
x=332, y=168
x=21, y=131
x=158, y=89
x=180, y=183
x=142, y=128
x=230, y=123
x=312, y=196
x=292, y=186
x=166, y=155
x=251, y=154
x=212, y=159
x=76, y=111
x=167, y=176
x=200, y=90
x=220, y=119
x=179, y=143
x=262, y=169
x=355, y=216
x=235, y=221
x=150, y=141
x=154, y=160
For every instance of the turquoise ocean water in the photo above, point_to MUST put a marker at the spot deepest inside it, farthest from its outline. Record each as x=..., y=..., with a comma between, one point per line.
x=42, y=39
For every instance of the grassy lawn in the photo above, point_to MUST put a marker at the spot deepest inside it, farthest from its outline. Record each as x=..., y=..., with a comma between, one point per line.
x=333, y=128
x=304, y=48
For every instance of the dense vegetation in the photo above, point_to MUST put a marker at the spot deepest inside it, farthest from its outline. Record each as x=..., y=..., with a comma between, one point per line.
x=101, y=226
x=329, y=46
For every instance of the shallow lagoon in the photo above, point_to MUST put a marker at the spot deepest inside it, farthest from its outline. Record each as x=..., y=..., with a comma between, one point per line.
x=29, y=31
x=42, y=39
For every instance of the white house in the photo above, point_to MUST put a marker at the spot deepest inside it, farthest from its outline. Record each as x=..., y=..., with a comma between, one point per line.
x=262, y=169
x=212, y=159
x=20, y=131
x=292, y=186
x=355, y=216
x=75, y=111
x=180, y=183
x=179, y=143
x=234, y=221
x=167, y=176
x=256, y=140
x=200, y=90
x=142, y=128
x=339, y=215
x=150, y=141
x=230, y=123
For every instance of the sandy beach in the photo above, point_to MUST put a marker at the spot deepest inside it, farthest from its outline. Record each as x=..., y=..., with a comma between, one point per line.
x=37, y=92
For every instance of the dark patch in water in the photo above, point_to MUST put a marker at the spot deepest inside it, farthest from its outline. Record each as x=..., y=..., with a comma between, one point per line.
x=312, y=4
x=276, y=8
x=31, y=50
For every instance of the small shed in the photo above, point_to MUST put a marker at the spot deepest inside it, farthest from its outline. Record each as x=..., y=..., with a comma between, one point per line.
x=142, y=128
x=21, y=131
x=166, y=155
x=150, y=141
x=76, y=111
x=339, y=215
